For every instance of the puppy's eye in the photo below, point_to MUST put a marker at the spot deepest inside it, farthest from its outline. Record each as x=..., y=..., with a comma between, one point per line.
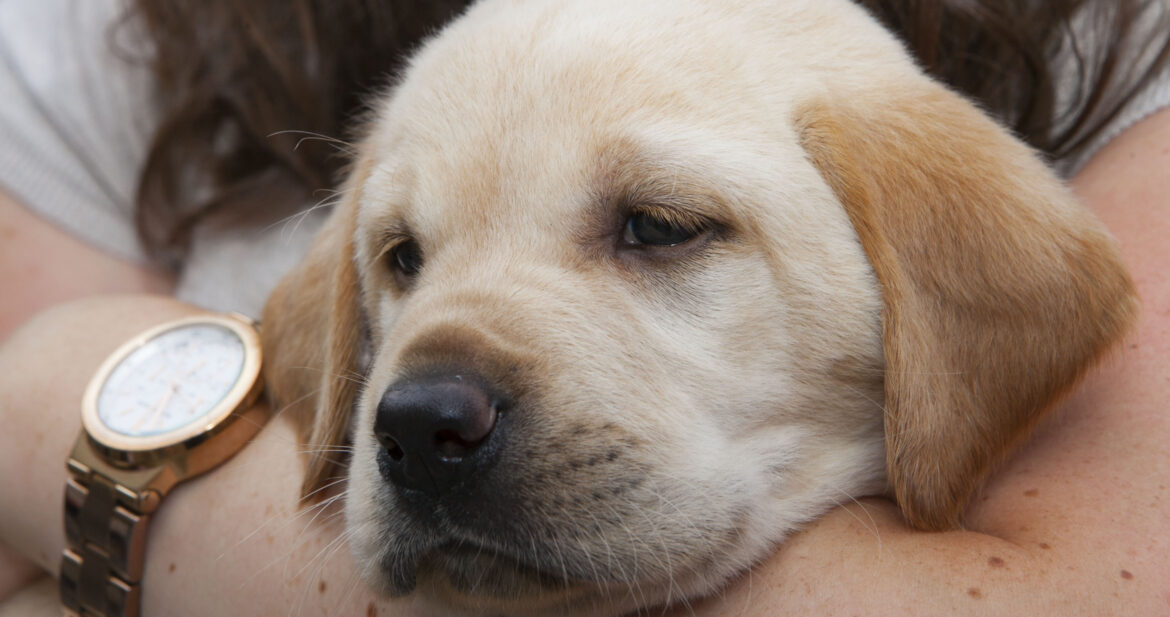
x=653, y=229
x=406, y=260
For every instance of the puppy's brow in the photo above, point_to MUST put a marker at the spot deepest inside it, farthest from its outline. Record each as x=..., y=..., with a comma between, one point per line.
x=388, y=235
x=628, y=182
x=393, y=231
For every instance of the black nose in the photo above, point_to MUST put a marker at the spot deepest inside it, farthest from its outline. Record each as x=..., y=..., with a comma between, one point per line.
x=434, y=431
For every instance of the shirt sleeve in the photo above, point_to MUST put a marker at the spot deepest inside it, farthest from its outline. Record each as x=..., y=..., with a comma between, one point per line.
x=76, y=117
x=1150, y=98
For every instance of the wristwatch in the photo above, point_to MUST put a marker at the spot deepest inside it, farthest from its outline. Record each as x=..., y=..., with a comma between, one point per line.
x=170, y=404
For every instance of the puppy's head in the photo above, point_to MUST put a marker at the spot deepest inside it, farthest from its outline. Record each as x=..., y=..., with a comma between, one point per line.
x=648, y=286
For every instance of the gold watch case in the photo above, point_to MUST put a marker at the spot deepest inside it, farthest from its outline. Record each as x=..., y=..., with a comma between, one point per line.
x=149, y=466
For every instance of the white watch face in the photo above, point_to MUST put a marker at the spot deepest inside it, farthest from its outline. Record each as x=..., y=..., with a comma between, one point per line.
x=171, y=381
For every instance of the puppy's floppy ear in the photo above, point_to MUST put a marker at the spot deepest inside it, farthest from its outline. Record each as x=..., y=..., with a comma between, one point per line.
x=999, y=289
x=311, y=330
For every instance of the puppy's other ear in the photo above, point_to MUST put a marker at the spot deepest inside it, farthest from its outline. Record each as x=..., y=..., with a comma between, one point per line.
x=311, y=330
x=999, y=289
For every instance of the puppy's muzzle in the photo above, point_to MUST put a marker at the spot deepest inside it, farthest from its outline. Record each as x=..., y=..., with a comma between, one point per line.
x=434, y=431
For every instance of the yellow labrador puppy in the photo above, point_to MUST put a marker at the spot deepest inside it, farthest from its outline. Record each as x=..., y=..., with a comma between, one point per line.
x=623, y=293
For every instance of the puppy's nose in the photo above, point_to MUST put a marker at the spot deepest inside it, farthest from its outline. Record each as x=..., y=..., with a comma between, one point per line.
x=433, y=431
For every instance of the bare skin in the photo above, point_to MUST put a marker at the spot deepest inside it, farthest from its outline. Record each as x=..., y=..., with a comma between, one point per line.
x=42, y=266
x=1074, y=524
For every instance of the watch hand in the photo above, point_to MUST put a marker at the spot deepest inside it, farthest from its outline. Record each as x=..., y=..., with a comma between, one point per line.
x=158, y=407
x=195, y=370
x=166, y=401
x=192, y=404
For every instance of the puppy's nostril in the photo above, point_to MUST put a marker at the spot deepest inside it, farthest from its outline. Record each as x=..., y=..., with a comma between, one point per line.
x=390, y=446
x=450, y=445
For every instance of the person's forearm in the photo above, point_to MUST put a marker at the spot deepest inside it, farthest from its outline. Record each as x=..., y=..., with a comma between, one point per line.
x=233, y=542
x=1073, y=525
x=44, y=368
x=15, y=571
x=41, y=266
x=862, y=560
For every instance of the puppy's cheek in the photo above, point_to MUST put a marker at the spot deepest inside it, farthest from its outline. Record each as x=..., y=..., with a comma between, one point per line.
x=365, y=509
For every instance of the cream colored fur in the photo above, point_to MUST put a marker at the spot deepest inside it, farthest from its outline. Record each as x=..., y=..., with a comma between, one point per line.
x=687, y=409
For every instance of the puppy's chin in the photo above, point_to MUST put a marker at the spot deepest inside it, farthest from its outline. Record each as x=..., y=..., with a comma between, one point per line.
x=477, y=571
x=457, y=578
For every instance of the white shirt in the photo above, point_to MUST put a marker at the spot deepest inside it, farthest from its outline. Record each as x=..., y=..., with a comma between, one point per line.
x=76, y=119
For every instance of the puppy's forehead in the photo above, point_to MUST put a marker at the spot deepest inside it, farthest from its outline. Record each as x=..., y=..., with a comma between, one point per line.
x=510, y=111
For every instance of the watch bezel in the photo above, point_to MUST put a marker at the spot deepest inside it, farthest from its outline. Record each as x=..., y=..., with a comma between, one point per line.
x=243, y=391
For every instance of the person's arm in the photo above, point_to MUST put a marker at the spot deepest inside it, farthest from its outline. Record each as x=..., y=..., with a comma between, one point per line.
x=1076, y=523
x=40, y=266
x=233, y=542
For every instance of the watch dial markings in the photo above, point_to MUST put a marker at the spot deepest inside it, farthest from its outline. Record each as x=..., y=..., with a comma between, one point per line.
x=171, y=381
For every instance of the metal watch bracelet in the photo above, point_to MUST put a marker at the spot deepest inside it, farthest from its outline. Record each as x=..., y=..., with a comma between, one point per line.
x=105, y=537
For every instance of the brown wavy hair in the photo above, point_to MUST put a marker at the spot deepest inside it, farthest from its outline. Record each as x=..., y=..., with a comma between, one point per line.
x=241, y=83
x=254, y=97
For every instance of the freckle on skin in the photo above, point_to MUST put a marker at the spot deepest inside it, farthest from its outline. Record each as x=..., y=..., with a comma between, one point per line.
x=1031, y=492
x=975, y=593
x=995, y=562
x=321, y=587
x=1044, y=545
x=171, y=568
x=1127, y=575
x=371, y=611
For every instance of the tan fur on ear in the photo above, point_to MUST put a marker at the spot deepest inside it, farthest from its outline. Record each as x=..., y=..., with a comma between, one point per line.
x=311, y=332
x=999, y=289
